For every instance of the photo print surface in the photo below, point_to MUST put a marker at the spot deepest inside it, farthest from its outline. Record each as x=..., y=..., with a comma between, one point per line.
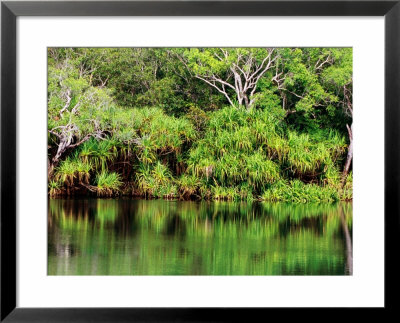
x=200, y=161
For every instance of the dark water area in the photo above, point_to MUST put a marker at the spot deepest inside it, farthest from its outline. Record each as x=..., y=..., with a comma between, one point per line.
x=159, y=237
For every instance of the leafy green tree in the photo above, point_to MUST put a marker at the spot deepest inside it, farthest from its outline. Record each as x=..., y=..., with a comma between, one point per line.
x=338, y=78
x=76, y=110
x=315, y=85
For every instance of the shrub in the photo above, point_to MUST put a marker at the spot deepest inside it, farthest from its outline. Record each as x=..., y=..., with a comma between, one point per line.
x=298, y=192
x=108, y=184
x=55, y=188
x=73, y=168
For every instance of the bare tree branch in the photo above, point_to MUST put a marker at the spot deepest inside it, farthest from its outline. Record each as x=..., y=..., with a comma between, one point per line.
x=67, y=94
x=216, y=87
x=245, y=70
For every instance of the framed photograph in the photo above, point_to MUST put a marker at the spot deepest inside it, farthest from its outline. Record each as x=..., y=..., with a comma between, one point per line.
x=197, y=160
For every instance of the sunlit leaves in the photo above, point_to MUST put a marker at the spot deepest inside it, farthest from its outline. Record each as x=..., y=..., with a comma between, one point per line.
x=143, y=114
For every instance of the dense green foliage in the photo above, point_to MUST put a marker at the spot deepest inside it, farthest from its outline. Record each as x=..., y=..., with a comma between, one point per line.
x=200, y=123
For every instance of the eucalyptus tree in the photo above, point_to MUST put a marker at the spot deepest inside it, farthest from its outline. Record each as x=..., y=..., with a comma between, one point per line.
x=233, y=72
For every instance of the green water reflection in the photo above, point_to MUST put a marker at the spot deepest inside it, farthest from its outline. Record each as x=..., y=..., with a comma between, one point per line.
x=158, y=237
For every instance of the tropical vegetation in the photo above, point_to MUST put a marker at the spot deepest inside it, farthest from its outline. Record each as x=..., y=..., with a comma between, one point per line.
x=271, y=124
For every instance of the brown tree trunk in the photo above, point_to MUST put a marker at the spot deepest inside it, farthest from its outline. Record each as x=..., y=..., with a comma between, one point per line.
x=349, y=155
x=54, y=161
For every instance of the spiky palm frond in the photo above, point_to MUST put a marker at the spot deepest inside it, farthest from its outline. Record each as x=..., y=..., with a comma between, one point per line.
x=108, y=184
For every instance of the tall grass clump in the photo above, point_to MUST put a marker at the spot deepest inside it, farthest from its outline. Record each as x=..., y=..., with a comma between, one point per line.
x=308, y=157
x=55, y=188
x=98, y=153
x=346, y=193
x=298, y=192
x=108, y=184
x=188, y=186
x=155, y=181
x=73, y=171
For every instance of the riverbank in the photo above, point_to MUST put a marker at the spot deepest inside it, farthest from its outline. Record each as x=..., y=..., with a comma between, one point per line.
x=295, y=192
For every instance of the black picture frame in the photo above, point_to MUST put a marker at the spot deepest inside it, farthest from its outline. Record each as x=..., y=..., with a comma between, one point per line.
x=10, y=10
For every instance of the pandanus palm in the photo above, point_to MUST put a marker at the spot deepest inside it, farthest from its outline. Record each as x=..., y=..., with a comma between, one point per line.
x=143, y=178
x=72, y=168
x=99, y=152
x=161, y=173
x=105, y=152
x=146, y=149
x=108, y=183
x=188, y=185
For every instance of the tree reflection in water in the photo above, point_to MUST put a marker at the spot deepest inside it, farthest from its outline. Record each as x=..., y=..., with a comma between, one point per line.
x=158, y=237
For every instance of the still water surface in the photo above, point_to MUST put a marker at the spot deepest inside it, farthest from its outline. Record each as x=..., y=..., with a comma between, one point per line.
x=158, y=237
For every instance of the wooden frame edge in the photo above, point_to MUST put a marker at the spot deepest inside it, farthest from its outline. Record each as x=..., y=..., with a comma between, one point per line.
x=9, y=13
